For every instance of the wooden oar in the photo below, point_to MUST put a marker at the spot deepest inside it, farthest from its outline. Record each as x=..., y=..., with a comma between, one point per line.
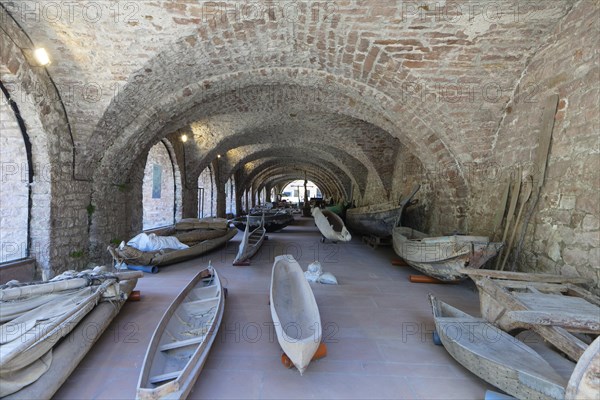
x=527, y=193
x=514, y=193
x=501, y=210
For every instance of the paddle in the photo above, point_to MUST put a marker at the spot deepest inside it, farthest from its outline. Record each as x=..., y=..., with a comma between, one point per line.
x=528, y=187
x=405, y=201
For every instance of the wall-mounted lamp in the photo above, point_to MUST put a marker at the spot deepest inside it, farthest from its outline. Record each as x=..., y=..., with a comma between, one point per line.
x=36, y=57
x=184, y=138
x=41, y=56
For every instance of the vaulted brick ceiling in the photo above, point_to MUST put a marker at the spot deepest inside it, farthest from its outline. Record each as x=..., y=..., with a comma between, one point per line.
x=356, y=80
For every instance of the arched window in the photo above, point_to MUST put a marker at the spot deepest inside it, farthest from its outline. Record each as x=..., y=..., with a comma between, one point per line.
x=230, y=196
x=15, y=176
x=159, y=188
x=206, y=194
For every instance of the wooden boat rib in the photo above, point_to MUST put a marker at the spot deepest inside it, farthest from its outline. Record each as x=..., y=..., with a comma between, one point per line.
x=251, y=242
x=443, y=257
x=555, y=311
x=159, y=258
x=331, y=225
x=181, y=342
x=295, y=312
x=496, y=356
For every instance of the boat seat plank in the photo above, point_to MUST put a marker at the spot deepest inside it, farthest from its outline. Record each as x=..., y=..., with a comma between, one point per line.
x=558, y=336
x=182, y=343
x=201, y=301
x=571, y=321
x=560, y=304
x=165, y=377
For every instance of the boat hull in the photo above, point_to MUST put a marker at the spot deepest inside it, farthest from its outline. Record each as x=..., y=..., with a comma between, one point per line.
x=331, y=225
x=443, y=257
x=250, y=244
x=495, y=356
x=132, y=256
x=295, y=312
x=182, y=340
x=377, y=221
x=273, y=223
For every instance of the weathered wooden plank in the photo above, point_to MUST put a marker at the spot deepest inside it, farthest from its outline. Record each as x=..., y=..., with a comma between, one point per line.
x=543, y=287
x=165, y=377
x=584, y=294
x=574, y=322
x=182, y=343
x=523, y=276
x=558, y=336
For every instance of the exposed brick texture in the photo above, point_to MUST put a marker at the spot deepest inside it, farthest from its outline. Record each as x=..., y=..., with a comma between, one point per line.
x=365, y=98
x=14, y=191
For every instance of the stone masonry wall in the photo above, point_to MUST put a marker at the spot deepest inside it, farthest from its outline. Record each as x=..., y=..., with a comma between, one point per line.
x=159, y=211
x=14, y=192
x=563, y=235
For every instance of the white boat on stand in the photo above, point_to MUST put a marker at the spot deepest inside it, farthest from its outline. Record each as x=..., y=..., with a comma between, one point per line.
x=295, y=312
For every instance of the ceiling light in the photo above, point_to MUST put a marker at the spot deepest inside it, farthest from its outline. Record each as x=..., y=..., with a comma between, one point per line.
x=41, y=56
x=218, y=156
x=184, y=138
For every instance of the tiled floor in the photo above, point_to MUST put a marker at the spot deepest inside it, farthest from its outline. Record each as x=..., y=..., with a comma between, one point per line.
x=377, y=326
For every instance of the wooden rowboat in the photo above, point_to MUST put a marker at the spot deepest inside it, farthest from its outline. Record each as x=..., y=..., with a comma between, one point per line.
x=495, y=356
x=182, y=339
x=442, y=257
x=251, y=242
x=331, y=225
x=294, y=311
x=273, y=221
x=132, y=256
x=378, y=219
x=550, y=305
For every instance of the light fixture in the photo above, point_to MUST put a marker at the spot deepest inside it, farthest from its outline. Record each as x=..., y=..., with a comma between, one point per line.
x=218, y=156
x=41, y=56
x=184, y=138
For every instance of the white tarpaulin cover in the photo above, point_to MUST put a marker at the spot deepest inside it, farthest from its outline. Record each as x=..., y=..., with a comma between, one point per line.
x=151, y=242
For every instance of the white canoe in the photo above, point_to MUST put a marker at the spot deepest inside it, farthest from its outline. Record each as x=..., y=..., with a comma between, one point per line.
x=182, y=339
x=294, y=311
x=331, y=225
x=442, y=257
x=251, y=241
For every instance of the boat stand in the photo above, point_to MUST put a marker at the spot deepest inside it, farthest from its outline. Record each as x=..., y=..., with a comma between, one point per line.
x=400, y=263
x=427, y=279
x=320, y=353
x=241, y=263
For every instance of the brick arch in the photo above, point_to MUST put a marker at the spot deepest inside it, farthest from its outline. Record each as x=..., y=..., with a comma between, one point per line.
x=246, y=154
x=284, y=178
x=32, y=95
x=351, y=157
x=329, y=92
x=269, y=168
